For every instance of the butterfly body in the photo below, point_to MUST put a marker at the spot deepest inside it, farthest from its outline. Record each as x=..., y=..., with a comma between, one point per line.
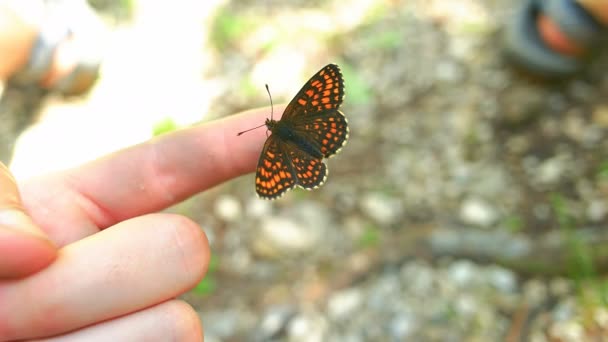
x=311, y=128
x=284, y=131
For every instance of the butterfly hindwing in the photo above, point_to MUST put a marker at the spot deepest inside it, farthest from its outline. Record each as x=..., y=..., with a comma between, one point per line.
x=310, y=172
x=274, y=174
x=328, y=130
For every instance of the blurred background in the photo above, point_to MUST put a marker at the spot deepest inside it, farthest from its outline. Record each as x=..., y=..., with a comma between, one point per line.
x=470, y=203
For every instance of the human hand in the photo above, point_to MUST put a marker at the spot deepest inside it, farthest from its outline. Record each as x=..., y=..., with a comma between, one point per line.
x=94, y=261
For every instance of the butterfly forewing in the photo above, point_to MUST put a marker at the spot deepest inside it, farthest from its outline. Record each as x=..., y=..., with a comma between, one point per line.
x=274, y=174
x=324, y=91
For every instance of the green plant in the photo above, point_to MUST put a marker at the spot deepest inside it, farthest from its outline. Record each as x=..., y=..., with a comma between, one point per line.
x=385, y=40
x=580, y=258
x=208, y=284
x=358, y=89
x=602, y=172
x=514, y=223
x=592, y=289
x=370, y=237
x=228, y=28
x=164, y=126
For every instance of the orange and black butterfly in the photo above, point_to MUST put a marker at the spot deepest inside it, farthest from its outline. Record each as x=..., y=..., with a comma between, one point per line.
x=311, y=128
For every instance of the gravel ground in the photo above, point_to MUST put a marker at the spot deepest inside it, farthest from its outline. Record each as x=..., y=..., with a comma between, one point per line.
x=470, y=203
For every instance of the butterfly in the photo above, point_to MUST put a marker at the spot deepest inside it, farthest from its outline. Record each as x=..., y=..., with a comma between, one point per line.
x=312, y=128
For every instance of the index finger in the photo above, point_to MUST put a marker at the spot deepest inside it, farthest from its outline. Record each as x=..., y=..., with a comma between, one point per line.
x=24, y=248
x=149, y=176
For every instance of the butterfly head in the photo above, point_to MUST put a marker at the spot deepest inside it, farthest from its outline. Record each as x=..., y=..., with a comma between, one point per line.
x=270, y=124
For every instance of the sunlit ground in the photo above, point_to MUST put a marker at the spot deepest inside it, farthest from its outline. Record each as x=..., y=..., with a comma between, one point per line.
x=154, y=71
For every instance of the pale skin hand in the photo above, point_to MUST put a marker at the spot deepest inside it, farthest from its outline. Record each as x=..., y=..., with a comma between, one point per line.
x=91, y=260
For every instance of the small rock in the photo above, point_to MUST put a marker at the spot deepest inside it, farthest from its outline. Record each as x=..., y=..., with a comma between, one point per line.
x=600, y=116
x=307, y=328
x=343, y=303
x=381, y=208
x=560, y=287
x=211, y=338
x=550, y=171
x=462, y=273
x=466, y=305
x=477, y=212
x=228, y=208
x=519, y=104
x=581, y=91
x=596, y=210
x=278, y=236
x=274, y=322
x=220, y=324
x=600, y=316
x=503, y=279
x=448, y=71
x=567, y=331
x=257, y=208
x=535, y=292
x=402, y=326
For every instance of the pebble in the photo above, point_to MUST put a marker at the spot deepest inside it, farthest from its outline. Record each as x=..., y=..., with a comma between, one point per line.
x=596, y=210
x=381, y=208
x=310, y=327
x=502, y=279
x=274, y=321
x=550, y=171
x=478, y=212
x=402, y=326
x=228, y=208
x=462, y=273
x=344, y=303
x=279, y=236
x=600, y=116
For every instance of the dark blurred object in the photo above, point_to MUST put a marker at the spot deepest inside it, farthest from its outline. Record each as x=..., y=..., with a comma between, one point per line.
x=528, y=49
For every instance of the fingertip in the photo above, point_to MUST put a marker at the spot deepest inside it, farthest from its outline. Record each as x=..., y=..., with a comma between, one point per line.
x=23, y=254
x=192, y=241
x=189, y=326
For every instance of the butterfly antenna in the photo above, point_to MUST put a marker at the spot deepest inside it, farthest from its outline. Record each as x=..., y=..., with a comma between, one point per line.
x=264, y=124
x=251, y=129
x=270, y=96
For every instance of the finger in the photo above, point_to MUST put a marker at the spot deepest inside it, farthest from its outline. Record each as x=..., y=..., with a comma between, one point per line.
x=24, y=249
x=133, y=265
x=170, y=321
x=150, y=176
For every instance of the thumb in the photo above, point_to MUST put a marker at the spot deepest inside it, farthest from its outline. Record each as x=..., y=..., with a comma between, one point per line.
x=24, y=248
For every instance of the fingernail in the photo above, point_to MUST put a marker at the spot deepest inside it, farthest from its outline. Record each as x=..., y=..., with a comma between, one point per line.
x=16, y=219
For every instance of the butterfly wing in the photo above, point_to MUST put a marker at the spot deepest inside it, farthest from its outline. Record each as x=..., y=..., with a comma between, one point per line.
x=274, y=174
x=314, y=116
x=313, y=113
x=324, y=91
x=310, y=172
x=327, y=130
